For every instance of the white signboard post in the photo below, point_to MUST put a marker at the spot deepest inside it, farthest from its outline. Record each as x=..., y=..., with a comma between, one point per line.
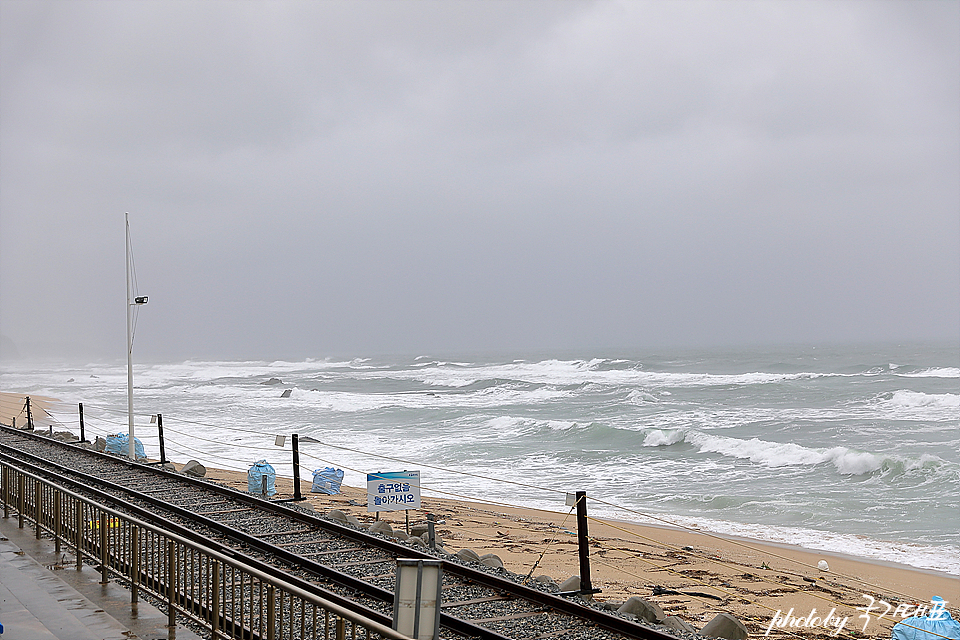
x=393, y=491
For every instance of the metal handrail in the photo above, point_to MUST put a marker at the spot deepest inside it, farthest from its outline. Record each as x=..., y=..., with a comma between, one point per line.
x=229, y=597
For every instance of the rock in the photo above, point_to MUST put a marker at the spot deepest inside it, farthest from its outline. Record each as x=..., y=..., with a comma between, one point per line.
x=491, y=560
x=169, y=466
x=468, y=555
x=823, y=566
x=570, y=584
x=272, y=381
x=306, y=506
x=86, y=445
x=677, y=624
x=610, y=605
x=418, y=530
x=100, y=444
x=354, y=521
x=64, y=436
x=338, y=516
x=725, y=626
x=544, y=579
x=381, y=526
x=643, y=609
x=400, y=535
x=414, y=541
x=286, y=393
x=194, y=468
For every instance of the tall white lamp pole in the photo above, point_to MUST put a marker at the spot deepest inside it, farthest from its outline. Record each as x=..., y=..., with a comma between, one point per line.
x=132, y=448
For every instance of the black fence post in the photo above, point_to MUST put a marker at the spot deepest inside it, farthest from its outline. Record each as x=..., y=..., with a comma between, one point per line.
x=584, y=543
x=29, y=416
x=296, y=467
x=83, y=437
x=163, y=455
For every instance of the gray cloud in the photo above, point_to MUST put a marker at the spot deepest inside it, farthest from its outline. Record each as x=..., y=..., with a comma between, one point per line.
x=315, y=178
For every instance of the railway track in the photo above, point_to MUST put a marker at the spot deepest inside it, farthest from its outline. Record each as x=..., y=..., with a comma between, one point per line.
x=339, y=562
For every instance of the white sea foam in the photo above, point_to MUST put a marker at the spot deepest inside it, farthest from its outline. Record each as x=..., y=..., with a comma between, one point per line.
x=905, y=398
x=935, y=372
x=770, y=454
x=663, y=437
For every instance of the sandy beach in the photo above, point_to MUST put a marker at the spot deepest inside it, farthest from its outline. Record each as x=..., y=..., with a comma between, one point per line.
x=750, y=579
x=708, y=573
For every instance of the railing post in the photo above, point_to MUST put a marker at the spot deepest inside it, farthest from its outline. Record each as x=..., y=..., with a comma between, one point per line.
x=57, y=519
x=215, y=601
x=171, y=585
x=38, y=506
x=134, y=564
x=104, y=555
x=271, y=613
x=21, y=489
x=6, y=493
x=341, y=629
x=78, y=533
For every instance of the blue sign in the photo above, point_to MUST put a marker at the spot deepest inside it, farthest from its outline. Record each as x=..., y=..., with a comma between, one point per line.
x=393, y=491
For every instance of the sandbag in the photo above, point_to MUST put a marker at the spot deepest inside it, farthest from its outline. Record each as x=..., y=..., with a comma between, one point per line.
x=119, y=444
x=261, y=475
x=327, y=480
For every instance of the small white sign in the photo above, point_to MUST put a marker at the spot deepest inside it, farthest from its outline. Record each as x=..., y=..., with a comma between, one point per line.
x=393, y=491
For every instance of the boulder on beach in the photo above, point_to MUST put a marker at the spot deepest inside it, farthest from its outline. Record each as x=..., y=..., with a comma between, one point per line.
x=381, y=526
x=468, y=555
x=643, y=609
x=570, y=584
x=272, y=381
x=194, y=468
x=100, y=444
x=337, y=516
x=725, y=626
x=491, y=560
x=286, y=393
x=677, y=624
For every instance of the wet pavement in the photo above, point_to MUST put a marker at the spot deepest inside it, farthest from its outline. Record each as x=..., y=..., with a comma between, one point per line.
x=44, y=597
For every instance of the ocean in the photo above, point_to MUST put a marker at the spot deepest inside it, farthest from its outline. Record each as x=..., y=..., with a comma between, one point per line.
x=851, y=449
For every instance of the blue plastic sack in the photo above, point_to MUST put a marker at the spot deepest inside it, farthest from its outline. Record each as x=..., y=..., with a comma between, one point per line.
x=259, y=475
x=120, y=444
x=327, y=480
x=940, y=624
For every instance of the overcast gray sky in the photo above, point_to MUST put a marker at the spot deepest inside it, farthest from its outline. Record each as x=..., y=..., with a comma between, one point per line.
x=316, y=178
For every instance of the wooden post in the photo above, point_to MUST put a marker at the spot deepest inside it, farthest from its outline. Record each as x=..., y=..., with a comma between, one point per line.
x=29, y=416
x=83, y=437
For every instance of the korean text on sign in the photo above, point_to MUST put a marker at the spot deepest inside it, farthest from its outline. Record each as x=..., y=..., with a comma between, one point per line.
x=393, y=491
